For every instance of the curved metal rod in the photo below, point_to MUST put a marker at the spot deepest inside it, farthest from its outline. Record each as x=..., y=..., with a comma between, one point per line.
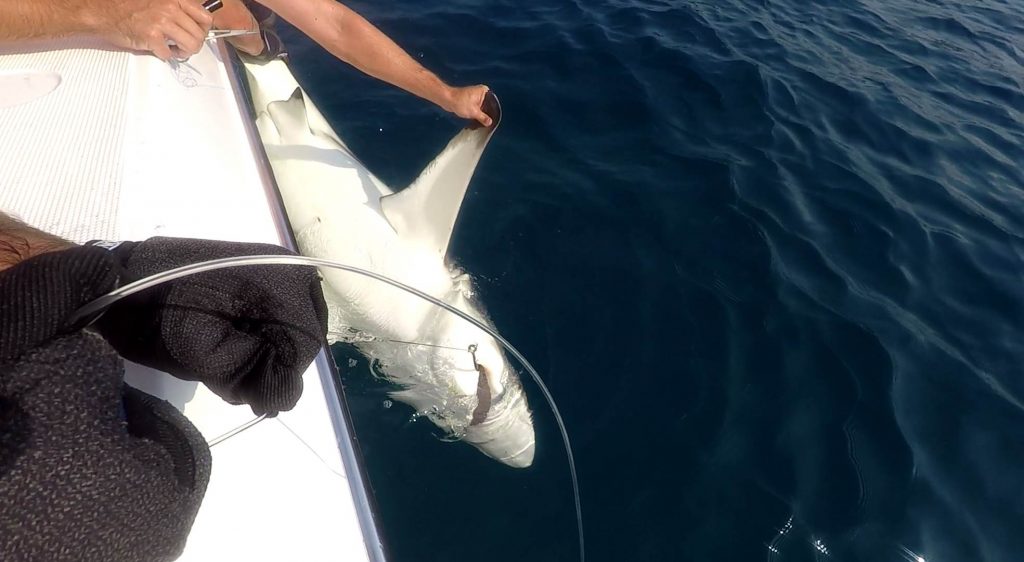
x=229, y=434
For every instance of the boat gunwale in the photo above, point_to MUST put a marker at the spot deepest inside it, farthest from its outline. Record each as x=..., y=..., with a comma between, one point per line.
x=330, y=378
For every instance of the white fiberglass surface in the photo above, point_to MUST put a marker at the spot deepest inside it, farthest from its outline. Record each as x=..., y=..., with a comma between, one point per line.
x=23, y=86
x=128, y=147
x=61, y=151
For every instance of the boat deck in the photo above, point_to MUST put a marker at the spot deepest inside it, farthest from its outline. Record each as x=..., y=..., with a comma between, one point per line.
x=127, y=147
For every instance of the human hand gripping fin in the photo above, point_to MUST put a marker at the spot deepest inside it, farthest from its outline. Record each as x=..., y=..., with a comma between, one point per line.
x=468, y=102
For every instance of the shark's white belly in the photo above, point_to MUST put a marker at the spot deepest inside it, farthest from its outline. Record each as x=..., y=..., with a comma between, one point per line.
x=330, y=211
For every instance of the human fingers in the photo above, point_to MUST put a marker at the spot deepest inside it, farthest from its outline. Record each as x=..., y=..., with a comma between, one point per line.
x=482, y=117
x=156, y=42
x=191, y=26
x=187, y=43
x=475, y=111
x=187, y=25
x=200, y=16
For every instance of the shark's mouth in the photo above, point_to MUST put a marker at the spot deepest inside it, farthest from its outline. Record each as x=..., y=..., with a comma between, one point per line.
x=483, y=397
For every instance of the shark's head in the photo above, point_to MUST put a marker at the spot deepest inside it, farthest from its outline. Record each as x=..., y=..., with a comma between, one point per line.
x=506, y=434
x=457, y=376
x=498, y=420
x=501, y=426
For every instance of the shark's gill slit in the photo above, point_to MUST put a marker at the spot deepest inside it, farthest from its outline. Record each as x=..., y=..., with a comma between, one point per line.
x=91, y=311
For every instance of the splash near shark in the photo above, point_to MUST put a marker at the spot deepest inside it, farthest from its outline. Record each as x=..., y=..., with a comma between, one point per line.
x=456, y=375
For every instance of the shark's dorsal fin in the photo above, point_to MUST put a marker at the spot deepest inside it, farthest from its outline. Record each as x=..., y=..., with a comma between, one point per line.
x=425, y=211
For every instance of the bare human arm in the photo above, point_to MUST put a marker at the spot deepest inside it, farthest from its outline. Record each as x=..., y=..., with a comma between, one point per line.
x=351, y=38
x=143, y=25
x=19, y=241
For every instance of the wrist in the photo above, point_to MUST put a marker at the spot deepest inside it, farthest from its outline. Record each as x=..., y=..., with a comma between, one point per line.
x=15, y=249
x=19, y=242
x=449, y=99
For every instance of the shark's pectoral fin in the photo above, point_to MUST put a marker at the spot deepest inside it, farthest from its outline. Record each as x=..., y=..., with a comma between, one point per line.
x=425, y=211
x=289, y=116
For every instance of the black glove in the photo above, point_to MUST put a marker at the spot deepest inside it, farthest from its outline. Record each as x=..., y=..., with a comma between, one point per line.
x=41, y=294
x=247, y=332
x=89, y=469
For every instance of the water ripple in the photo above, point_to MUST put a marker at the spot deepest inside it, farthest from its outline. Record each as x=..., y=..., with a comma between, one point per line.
x=768, y=254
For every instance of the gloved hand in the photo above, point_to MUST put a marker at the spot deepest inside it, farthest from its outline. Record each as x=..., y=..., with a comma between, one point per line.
x=89, y=468
x=247, y=332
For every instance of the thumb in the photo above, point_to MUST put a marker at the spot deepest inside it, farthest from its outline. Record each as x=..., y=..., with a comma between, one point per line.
x=158, y=46
x=482, y=117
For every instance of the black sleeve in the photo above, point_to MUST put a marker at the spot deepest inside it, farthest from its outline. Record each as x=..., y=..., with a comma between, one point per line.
x=89, y=468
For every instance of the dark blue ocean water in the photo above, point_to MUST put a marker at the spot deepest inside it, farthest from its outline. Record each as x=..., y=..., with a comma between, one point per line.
x=768, y=255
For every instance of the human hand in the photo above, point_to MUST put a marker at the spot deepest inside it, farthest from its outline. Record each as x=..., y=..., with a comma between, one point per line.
x=248, y=332
x=146, y=25
x=467, y=102
x=235, y=15
x=66, y=418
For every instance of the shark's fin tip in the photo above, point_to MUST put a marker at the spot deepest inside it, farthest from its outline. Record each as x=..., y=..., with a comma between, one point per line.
x=426, y=210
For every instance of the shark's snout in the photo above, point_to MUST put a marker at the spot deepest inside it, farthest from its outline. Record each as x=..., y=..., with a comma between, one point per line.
x=519, y=452
x=507, y=434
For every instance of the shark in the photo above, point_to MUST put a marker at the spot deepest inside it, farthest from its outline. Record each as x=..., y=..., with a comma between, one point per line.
x=445, y=368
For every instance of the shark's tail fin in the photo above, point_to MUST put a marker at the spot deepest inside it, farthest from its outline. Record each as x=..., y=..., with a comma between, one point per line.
x=426, y=210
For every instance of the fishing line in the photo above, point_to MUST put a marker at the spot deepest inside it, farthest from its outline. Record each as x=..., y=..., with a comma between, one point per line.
x=350, y=338
x=92, y=311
